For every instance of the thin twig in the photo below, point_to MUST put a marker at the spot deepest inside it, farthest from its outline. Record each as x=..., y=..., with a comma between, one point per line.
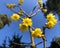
x=32, y=39
x=14, y=11
x=44, y=28
x=23, y=11
x=35, y=13
x=20, y=9
x=38, y=43
x=39, y=8
x=30, y=34
x=27, y=44
x=33, y=9
x=44, y=38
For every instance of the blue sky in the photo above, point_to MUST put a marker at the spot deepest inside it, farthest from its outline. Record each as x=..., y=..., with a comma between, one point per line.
x=8, y=31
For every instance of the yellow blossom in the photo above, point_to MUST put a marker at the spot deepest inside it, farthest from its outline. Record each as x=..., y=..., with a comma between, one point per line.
x=20, y=12
x=20, y=2
x=15, y=17
x=11, y=6
x=27, y=21
x=33, y=34
x=50, y=16
x=51, y=20
x=54, y=21
x=44, y=10
x=23, y=27
x=37, y=33
x=50, y=24
x=39, y=2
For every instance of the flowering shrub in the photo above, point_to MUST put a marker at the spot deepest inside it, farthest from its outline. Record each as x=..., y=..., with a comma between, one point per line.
x=26, y=21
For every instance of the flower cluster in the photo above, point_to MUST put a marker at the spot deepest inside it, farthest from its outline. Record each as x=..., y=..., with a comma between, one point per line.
x=23, y=27
x=20, y=12
x=27, y=21
x=39, y=2
x=51, y=21
x=25, y=24
x=37, y=33
x=15, y=17
x=20, y=2
x=44, y=10
x=11, y=6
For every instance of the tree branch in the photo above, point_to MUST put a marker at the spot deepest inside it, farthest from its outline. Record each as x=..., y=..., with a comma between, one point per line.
x=14, y=11
x=38, y=43
x=32, y=39
x=33, y=9
x=27, y=44
x=35, y=13
x=23, y=11
x=44, y=38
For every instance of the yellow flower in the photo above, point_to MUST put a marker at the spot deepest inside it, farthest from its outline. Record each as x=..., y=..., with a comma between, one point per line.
x=27, y=21
x=34, y=35
x=37, y=33
x=23, y=27
x=50, y=16
x=44, y=10
x=51, y=20
x=11, y=6
x=54, y=21
x=15, y=17
x=39, y=2
x=50, y=24
x=20, y=2
x=20, y=12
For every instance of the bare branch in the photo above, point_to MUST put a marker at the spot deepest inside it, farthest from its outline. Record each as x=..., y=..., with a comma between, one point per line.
x=27, y=44
x=33, y=9
x=44, y=28
x=23, y=11
x=35, y=13
x=38, y=43
x=32, y=39
x=44, y=40
x=14, y=11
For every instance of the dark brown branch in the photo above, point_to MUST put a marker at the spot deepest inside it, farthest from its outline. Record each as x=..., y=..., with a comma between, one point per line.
x=44, y=28
x=38, y=43
x=27, y=44
x=44, y=38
